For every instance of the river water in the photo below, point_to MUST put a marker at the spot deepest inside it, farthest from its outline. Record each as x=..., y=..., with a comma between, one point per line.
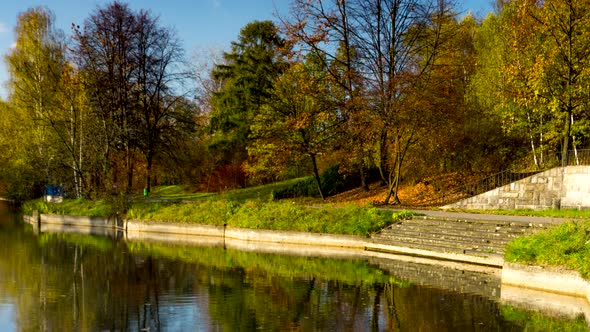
x=74, y=282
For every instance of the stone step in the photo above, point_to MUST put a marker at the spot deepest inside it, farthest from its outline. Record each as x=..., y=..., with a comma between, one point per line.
x=473, y=232
x=513, y=223
x=448, y=245
x=480, y=224
x=443, y=248
x=480, y=237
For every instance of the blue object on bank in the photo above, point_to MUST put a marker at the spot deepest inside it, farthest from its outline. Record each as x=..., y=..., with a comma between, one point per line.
x=53, y=190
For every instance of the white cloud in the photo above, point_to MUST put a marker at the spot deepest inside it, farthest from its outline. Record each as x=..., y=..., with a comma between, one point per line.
x=216, y=4
x=13, y=46
x=3, y=28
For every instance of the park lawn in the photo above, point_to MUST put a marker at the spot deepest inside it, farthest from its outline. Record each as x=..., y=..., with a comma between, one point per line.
x=566, y=245
x=252, y=208
x=273, y=215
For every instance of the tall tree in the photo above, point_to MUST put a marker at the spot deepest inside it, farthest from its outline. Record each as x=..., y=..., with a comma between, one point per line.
x=134, y=72
x=35, y=66
x=299, y=120
x=328, y=28
x=104, y=52
x=563, y=76
x=247, y=76
x=158, y=57
x=397, y=48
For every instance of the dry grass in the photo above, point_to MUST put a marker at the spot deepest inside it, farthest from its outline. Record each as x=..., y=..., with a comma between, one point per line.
x=423, y=194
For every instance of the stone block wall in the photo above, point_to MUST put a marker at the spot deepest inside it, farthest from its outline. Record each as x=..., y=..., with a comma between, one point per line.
x=560, y=187
x=576, y=187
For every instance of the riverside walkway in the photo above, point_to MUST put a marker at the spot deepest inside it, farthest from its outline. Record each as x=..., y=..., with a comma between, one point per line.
x=480, y=236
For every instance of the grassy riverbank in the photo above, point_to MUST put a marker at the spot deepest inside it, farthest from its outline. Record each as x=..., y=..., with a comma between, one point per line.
x=566, y=245
x=249, y=208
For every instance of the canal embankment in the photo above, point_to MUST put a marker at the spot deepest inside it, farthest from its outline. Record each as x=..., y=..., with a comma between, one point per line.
x=455, y=243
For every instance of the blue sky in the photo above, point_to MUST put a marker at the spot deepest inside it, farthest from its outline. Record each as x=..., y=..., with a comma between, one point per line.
x=200, y=24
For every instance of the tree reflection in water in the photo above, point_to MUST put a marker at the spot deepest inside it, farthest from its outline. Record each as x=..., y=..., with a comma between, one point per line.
x=79, y=282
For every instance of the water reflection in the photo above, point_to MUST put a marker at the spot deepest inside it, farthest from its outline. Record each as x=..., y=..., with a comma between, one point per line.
x=73, y=282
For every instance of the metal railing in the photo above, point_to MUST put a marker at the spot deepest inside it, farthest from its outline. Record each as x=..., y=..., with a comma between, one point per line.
x=521, y=171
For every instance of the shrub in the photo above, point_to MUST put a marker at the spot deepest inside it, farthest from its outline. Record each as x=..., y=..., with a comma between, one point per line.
x=333, y=182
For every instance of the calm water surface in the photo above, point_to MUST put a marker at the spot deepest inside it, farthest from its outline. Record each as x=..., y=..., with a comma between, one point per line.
x=73, y=282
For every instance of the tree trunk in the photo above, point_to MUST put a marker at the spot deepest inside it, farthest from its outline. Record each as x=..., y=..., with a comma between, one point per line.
x=148, y=177
x=129, y=167
x=363, y=175
x=566, y=137
x=316, y=175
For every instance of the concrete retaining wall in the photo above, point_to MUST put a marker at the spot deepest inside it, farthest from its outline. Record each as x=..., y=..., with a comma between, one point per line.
x=558, y=291
x=80, y=221
x=258, y=235
x=560, y=187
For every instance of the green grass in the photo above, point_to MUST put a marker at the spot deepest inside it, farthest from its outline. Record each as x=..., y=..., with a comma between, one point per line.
x=258, y=193
x=534, y=321
x=282, y=215
x=176, y=192
x=566, y=245
x=75, y=207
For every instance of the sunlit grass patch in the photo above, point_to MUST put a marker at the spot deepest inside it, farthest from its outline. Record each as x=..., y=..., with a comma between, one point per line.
x=566, y=245
x=75, y=207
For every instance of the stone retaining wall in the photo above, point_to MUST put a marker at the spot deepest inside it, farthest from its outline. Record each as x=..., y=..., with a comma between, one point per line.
x=560, y=187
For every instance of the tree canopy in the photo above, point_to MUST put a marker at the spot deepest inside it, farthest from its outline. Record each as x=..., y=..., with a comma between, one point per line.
x=388, y=90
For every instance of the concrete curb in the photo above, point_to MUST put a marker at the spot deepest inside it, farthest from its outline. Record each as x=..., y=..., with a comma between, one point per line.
x=446, y=256
x=548, y=289
x=131, y=226
x=79, y=221
x=546, y=279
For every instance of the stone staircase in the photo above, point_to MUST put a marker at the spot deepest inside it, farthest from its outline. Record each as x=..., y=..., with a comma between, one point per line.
x=474, y=237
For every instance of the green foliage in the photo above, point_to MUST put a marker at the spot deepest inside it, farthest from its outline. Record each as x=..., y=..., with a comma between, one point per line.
x=306, y=187
x=534, y=321
x=247, y=76
x=333, y=182
x=566, y=245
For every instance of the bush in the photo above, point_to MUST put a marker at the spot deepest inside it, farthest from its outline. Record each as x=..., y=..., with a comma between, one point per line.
x=333, y=182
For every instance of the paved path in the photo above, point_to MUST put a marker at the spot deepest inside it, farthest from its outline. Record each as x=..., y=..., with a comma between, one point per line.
x=490, y=217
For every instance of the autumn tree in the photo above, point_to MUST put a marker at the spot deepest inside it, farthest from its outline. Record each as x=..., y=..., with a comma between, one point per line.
x=329, y=28
x=160, y=71
x=35, y=66
x=397, y=49
x=532, y=71
x=45, y=87
x=299, y=121
x=562, y=73
x=104, y=53
x=134, y=74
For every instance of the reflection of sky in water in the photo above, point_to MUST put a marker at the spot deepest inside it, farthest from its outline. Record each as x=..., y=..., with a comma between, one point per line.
x=7, y=322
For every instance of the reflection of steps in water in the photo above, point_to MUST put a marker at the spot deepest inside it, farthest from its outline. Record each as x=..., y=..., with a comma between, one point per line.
x=485, y=282
x=471, y=237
